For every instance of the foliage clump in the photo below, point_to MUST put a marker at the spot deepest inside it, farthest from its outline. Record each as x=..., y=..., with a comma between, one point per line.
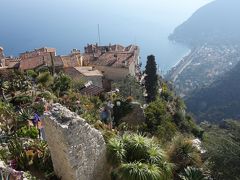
x=137, y=157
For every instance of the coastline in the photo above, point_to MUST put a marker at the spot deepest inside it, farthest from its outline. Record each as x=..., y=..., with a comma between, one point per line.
x=182, y=58
x=173, y=73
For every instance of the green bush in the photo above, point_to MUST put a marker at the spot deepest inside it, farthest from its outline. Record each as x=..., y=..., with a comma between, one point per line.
x=166, y=131
x=191, y=173
x=45, y=79
x=62, y=83
x=116, y=151
x=22, y=100
x=182, y=153
x=139, y=171
x=38, y=108
x=137, y=157
x=29, y=132
x=32, y=74
x=47, y=95
x=155, y=113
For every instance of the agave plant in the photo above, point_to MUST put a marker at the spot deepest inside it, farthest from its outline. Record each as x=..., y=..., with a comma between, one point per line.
x=192, y=173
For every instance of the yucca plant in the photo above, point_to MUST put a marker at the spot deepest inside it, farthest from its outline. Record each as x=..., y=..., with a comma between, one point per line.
x=136, y=147
x=116, y=151
x=192, y=173
x=138, y=171
x=182, y=153
x=137, y=157
x=157, y=156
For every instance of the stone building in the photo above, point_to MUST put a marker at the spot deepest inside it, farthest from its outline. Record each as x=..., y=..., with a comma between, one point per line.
x=46, y=57
x=85, y=73
x=115, y=61
x=37, y=52
x=78, y=151
x=37, y=58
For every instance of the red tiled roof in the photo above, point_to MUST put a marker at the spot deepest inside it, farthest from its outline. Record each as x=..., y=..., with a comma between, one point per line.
x=31, y=63
x=92, y=90
x=13, y=64
x=112, y=55
x=114, y=59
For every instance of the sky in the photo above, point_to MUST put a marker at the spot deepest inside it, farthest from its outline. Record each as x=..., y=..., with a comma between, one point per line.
x=67, y=24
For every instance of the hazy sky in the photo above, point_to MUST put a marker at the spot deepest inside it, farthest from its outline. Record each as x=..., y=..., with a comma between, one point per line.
x=159, y=11
x=67, y=24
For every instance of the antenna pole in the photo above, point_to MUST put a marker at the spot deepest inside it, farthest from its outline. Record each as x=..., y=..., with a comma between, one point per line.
x=99, y=38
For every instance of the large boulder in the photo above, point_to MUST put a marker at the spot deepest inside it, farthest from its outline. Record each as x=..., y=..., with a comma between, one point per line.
x=78, y=151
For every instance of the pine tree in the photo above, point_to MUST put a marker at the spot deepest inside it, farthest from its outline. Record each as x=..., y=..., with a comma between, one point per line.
x=151, y=79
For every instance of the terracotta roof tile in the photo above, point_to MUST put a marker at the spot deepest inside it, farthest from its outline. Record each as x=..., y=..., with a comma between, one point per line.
x=92, y=90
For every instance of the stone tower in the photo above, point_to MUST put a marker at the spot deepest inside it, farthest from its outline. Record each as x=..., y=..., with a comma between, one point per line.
x=78, y=151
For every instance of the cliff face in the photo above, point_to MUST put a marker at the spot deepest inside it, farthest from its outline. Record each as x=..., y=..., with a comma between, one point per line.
x=216, y=22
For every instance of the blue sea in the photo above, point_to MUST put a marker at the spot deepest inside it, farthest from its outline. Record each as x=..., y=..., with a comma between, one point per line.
x=68, y=24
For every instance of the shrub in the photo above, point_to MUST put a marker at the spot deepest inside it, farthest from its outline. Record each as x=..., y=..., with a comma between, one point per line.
x=155, y=113
x=139, y=171
x=191, y=173
x=62, y=83
x=45, y=79
x=116, y=151
x=136, y=147
x=182, y=153
x=138, y=157
x=47, y=95
x=120, y=110
x=166, y=131
x=38, y=108
x=32, y=74
x=22, y=100
x=29, y=132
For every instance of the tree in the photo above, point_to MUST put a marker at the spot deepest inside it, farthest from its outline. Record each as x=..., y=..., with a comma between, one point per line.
x=223, y=150
x=151, y=79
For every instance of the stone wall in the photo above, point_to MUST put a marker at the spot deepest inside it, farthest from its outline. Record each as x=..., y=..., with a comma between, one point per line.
x=78, y=151
x=112, y=73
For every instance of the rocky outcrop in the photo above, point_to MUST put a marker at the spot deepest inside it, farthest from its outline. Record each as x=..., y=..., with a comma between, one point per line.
x=136, y=116
x=78, y=151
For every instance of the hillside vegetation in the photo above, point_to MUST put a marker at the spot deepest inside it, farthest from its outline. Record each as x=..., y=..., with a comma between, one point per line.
x=219, y=101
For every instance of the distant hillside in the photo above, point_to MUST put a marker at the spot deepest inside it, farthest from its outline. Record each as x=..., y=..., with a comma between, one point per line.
x=216, y=22
x=219, y=101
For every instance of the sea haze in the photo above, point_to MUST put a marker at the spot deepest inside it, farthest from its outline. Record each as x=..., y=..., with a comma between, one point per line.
x=67, y=24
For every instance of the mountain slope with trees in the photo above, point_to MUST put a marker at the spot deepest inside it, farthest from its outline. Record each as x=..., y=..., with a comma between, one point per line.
x=219, y=101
